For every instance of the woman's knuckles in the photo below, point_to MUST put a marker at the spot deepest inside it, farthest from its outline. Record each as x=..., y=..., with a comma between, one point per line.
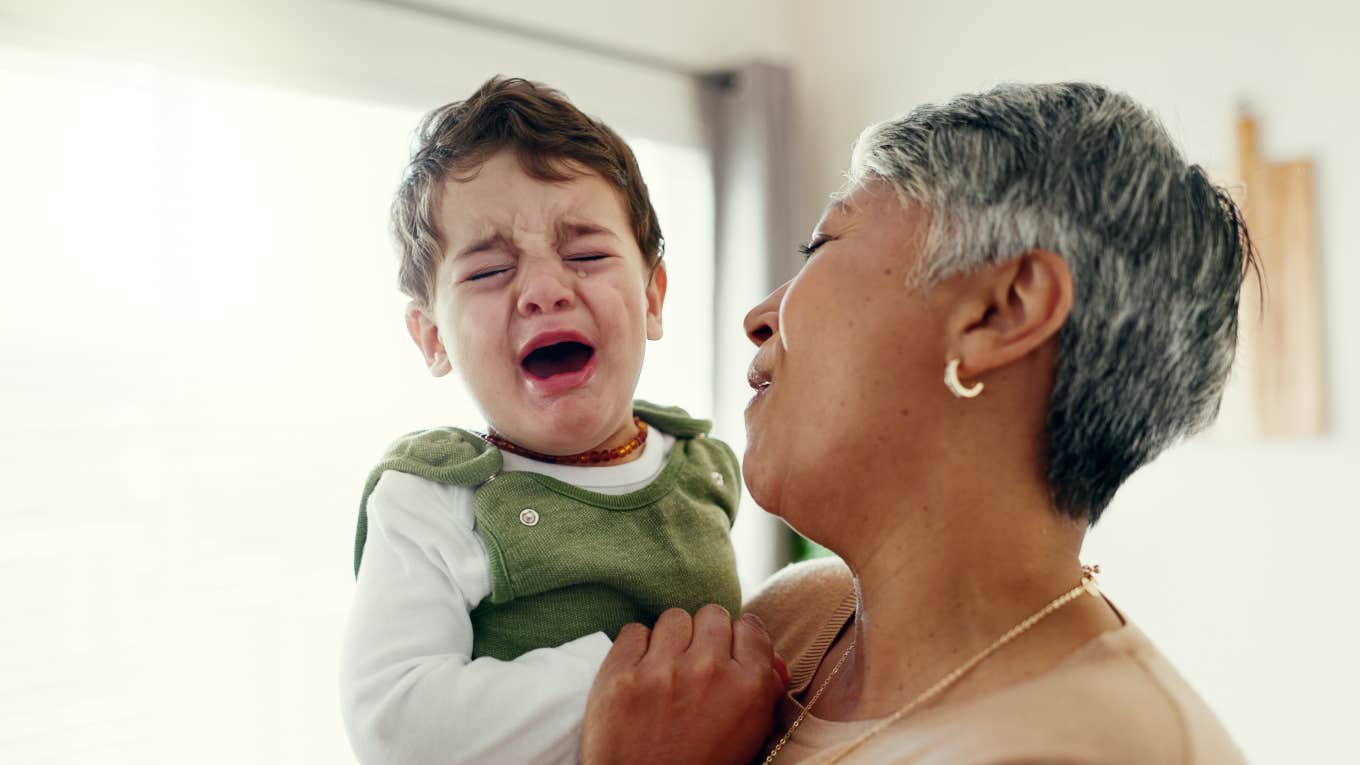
x=704, y=671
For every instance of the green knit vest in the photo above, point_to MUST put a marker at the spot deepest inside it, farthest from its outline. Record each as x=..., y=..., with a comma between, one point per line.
x=590, y=562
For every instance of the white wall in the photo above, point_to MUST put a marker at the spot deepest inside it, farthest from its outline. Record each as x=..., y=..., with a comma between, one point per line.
x=698, y=34
x=355, y=49
x=1233, y=556
x=1192, y=62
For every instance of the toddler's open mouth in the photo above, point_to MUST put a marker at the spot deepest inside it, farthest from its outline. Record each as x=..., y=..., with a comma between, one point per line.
x=564, y=358
x=557, y=361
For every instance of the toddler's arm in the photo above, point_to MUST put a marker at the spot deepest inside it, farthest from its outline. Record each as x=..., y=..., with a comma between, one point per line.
x=410, y=691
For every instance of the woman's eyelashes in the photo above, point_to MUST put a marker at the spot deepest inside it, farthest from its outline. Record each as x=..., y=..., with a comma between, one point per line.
x=809, y=249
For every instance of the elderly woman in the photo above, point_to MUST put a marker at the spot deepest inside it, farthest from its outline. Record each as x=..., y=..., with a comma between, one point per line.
x=1020, y=298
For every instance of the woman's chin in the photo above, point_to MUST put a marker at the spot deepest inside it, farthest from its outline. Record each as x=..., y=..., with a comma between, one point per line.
x=762, y=488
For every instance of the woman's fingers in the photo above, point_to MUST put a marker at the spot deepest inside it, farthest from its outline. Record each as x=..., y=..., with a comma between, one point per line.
x=782, y=669
x=751, y=643
x=671, y=636
x=703, y=690
x=752, y=649
x=712, y=641
x=629, y=648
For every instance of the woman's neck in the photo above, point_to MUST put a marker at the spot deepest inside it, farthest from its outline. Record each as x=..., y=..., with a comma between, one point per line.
x=941, y=590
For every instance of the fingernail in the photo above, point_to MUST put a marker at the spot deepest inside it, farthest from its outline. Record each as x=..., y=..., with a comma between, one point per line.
x=782, y=669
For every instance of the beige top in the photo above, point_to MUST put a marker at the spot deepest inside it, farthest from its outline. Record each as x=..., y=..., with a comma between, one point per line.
x=1114, y=700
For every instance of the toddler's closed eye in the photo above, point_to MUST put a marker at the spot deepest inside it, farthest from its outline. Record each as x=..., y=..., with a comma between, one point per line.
x=490, y=272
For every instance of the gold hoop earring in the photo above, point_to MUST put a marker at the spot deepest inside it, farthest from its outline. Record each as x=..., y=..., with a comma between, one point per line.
x=951, y=381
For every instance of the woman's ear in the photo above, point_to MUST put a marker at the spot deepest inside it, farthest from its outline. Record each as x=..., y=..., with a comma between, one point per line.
x=426, y=336
x=656, y=297
x=1019, y=306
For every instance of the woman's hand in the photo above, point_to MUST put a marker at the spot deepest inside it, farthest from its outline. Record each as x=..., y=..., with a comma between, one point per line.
x=698, y=690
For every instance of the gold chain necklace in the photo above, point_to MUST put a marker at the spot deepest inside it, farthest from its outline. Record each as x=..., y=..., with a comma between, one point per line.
x=1087, y=585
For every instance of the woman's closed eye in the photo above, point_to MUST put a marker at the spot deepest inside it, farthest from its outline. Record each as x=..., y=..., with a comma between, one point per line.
x=809, y=249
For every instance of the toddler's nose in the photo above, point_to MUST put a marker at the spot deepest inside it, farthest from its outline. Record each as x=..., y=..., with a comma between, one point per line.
x=546, y=289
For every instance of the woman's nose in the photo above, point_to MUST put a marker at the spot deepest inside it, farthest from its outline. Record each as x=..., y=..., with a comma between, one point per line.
x=762, y=321
x=546, y=288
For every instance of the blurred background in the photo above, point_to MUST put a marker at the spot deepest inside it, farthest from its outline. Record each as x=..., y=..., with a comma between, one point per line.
x=203, y=352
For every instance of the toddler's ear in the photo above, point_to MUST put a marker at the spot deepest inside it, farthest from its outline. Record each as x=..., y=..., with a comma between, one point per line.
x=656, y=296
x=426, y=336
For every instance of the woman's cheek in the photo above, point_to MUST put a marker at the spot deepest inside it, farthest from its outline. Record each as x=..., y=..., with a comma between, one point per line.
x=801, y=301
x=783, y=316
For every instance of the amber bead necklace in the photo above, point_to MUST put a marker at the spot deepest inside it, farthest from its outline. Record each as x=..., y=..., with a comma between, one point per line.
x=594, y=457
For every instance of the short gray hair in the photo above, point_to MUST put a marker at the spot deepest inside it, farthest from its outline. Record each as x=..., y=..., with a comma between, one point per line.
x=1158, y=255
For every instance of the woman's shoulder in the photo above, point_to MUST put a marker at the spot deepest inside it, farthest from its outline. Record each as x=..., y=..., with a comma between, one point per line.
x=1124, y=666
x=820, y=578
x=804, y=606
x=1117, y=700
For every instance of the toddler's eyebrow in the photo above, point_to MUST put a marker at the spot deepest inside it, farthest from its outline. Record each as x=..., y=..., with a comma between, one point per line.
x=493, y=242
x=566, y=231
x=569, y=230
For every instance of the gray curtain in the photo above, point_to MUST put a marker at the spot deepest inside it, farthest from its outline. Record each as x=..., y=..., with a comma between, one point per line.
x=749, y=112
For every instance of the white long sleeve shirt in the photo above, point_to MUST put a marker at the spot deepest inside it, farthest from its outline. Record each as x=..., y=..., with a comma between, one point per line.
x=410, y=690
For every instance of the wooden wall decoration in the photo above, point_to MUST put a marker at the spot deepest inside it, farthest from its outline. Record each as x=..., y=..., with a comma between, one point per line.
x=1285, y=336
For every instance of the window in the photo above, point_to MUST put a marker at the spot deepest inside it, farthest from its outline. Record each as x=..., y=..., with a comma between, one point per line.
x=204, y=353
